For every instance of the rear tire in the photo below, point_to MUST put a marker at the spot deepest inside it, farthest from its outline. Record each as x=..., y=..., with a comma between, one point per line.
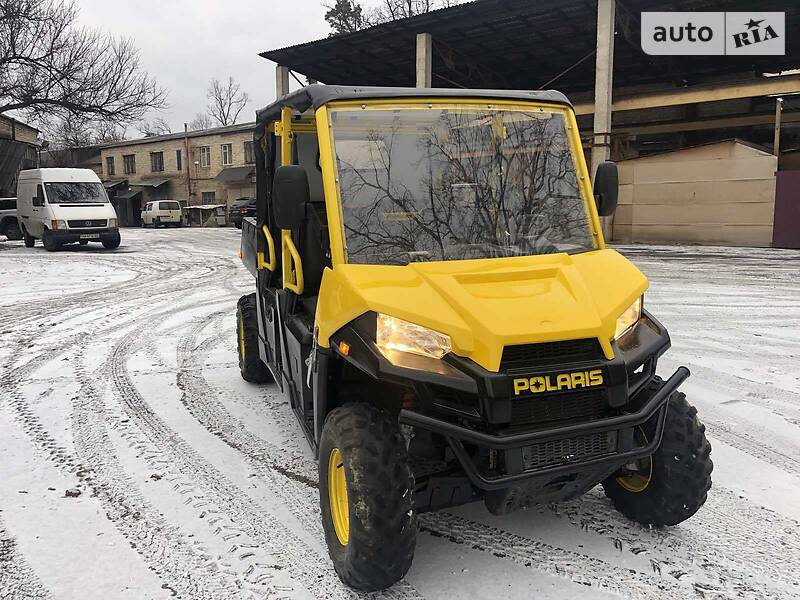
x=676, y=484
x=12, y=231
x=250, y=364
x=376, y=509
x=113, y=242
x=29, y=240
x=49, y=242
x=156, y=223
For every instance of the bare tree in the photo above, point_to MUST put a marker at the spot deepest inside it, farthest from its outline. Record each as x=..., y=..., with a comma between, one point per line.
x=201, y=121
x=157, y=126
x=50, y=67
x=106, y=132
x=226, y=101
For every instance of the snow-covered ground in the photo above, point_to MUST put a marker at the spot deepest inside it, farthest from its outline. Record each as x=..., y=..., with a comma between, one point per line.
x=118, y=380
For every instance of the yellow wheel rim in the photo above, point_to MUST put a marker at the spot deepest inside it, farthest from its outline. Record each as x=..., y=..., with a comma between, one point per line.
x=337, y=497
x=241, y=337
x=638, y=482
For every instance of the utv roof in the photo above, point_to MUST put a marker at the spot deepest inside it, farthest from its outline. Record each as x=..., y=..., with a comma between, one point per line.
x=314, y=96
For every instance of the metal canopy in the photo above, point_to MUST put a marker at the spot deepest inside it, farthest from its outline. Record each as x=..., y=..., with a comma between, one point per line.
x=235, y=174
x=155, y=182
x=110, y=185
x=128, y=195
x=524, y=44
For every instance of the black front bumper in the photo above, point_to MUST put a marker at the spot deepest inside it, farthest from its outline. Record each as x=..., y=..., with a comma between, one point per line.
x=95, y=234
x=653, y=406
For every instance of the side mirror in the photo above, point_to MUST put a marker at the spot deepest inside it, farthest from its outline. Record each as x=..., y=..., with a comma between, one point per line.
x=37, y=201
x=606, y=188
x=290, y=196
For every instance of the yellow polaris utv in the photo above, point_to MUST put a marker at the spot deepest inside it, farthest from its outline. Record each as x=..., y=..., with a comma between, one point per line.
x=435, y=297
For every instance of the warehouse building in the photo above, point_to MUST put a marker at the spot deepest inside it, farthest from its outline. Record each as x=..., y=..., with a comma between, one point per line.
x=211, y=167
x=630, y=105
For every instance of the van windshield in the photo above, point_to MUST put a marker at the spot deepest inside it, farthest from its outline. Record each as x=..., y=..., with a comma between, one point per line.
x=445, y=183
x=75, y=193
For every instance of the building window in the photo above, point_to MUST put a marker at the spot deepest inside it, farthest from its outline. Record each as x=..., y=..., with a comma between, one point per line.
x=227, y=154
x=205, y=156
x=156, y=162
x=208, y=197
x=129, y=162
x=110, y=166
x=178, y=160
x=250, y=153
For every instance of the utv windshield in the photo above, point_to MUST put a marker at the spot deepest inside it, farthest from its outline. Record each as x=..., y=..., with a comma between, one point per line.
x=445, y=183
x=75, y=193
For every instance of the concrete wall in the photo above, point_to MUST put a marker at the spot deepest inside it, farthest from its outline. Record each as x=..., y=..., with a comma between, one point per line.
x=721, y=193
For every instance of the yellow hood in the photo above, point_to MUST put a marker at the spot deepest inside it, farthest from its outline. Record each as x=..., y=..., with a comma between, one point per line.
x=484, y=305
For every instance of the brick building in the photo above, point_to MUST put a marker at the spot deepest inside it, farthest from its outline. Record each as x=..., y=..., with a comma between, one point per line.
x=19, y=147
x=207, y=167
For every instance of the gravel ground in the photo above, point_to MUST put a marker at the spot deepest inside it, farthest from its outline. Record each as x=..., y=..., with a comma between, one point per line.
x=137, y=464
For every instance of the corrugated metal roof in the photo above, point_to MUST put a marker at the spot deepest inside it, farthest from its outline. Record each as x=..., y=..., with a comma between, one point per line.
x=236, y=173
x=523, y=44
x=151, y=182
x=180, y=135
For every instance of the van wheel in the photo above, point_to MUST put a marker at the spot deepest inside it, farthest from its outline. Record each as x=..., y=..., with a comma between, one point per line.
x=366, y=494
x=156, y=223
x=112, y=242
x=29, y=240
x=49, y=242
x=250, y=364
x=12, y=231
x=671, y=485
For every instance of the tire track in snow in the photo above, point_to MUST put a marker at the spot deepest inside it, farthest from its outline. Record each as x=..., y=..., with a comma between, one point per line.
x=216, y=491
x=582, y=569
x=297, y=491
x=185, y=570
x=17, y=580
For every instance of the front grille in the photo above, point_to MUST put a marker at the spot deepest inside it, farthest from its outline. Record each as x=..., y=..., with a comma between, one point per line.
x=568, y=450
x=77, y=223
x=585, y=405
x=526, y=356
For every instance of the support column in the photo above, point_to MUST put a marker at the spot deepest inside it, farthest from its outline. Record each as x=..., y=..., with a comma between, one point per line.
x=603, y=85
x=281, y=81
x=776, y=144
x=424, y=63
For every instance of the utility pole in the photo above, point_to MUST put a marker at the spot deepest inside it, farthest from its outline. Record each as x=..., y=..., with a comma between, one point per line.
x=186, y=162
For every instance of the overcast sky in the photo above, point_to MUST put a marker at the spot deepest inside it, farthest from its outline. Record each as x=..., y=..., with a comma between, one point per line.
x=185, y=43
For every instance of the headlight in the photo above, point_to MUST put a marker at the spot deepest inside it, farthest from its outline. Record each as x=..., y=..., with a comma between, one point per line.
x=112, y=222
x=629, y=318
x=58, y=225
x=396, y=335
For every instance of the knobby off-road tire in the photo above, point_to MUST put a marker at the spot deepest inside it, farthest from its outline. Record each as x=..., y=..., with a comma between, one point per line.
x=250, y=364
x=49, y=242
x=681, y=471
x=112, y=243
x=378, y=502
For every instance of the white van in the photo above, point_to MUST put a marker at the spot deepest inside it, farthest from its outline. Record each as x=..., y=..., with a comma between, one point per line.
x=59, y=206
x=162, y=212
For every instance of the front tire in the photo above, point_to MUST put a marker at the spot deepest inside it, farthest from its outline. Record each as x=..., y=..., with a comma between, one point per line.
x=673, y=483
x=49, y=241
x=366, y=494
x=251, y=366
x=112, y=242
x=29, y=240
